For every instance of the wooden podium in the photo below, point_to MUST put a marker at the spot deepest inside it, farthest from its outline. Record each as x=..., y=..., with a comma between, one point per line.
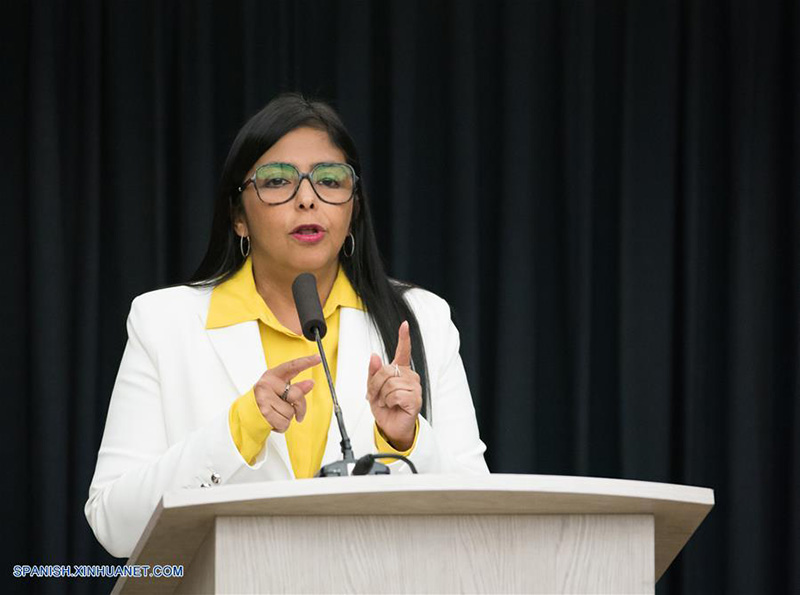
x=420, y=534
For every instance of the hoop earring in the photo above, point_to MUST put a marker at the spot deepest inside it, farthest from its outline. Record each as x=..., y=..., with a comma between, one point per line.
x=241, y=246
x=352, y=239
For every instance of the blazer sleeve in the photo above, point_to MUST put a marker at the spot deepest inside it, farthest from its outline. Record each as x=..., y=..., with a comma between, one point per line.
x=451, y=444
x=136, y=464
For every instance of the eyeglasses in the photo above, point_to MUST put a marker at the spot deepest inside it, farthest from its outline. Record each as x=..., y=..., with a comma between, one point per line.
x=277, y=183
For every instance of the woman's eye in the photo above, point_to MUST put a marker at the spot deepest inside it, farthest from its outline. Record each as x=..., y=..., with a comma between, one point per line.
x=274, y=182
x=329, y=183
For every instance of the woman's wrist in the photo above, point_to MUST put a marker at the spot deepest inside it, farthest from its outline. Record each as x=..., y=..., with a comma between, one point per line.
x=399, y=443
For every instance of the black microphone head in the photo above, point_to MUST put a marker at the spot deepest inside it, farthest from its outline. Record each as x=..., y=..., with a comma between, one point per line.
x=306, y=300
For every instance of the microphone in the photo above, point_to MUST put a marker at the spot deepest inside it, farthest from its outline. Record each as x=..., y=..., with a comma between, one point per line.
x=309, y=310
x=306, y=300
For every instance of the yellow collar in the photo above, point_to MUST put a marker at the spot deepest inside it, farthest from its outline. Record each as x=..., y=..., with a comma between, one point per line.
x=237, y=300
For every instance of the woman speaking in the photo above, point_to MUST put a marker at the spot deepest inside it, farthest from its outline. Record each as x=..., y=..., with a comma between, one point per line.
x=217, y=383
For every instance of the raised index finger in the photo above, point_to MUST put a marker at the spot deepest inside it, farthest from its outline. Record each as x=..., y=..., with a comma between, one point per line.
x=288, y=370
x=402, y=355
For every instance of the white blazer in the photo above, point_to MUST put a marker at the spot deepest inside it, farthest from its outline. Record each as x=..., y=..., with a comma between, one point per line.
x=167, y=425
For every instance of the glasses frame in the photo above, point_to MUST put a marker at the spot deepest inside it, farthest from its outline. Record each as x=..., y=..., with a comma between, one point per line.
x=303, y=176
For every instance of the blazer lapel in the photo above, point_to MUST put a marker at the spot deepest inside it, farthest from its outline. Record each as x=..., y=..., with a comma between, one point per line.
x=241, y=353
x=239, y=349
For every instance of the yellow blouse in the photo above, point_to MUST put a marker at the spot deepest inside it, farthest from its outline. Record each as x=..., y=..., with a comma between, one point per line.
x=236, y=301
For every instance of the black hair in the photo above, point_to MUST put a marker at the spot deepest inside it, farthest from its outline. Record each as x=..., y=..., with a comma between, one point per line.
x=382, y=297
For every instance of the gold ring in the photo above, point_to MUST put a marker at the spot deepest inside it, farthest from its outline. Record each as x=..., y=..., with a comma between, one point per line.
x=285, y=394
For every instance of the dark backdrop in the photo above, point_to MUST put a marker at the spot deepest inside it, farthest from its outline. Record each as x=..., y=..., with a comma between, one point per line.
x=605, y=192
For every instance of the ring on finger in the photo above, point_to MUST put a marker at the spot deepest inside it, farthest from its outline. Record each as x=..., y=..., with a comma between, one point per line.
x=285, y=394
x=396, y=371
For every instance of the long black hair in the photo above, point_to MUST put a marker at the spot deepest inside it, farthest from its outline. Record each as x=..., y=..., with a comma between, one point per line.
x=382, y=297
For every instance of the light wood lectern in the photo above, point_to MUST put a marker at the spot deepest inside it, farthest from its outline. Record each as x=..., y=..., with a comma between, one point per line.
x=420, y=534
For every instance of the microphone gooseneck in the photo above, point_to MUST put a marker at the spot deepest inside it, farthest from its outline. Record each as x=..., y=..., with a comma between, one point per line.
x=309, y=310
x=347, y=451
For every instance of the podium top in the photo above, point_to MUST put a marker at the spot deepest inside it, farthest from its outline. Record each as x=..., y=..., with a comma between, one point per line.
x=183, y=518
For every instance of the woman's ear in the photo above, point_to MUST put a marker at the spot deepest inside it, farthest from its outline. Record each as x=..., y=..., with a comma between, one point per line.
x=239, y=221
x=241, y=229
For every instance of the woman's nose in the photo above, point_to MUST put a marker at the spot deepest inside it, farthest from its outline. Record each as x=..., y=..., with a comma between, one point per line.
x=306, y=197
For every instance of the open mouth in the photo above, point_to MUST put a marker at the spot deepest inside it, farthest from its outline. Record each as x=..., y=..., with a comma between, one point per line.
x=308, y=233
x=308, y=229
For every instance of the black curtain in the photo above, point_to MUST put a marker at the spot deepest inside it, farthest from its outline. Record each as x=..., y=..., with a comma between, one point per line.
x=606, y=192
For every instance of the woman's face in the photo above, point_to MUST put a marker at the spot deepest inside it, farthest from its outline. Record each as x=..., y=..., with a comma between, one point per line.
x=276, y=231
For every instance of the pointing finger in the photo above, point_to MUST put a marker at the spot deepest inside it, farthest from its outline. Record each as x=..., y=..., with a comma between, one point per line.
x=288, y=370
x=402, y=355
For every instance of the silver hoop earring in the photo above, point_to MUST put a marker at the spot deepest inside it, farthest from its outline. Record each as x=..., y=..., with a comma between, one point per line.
x=352, y=239
x=241, y=246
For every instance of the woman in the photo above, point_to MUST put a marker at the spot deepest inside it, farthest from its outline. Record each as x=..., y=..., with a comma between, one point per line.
x=217, y=385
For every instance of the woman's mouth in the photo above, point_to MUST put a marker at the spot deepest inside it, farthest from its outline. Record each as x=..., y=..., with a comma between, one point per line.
x=308, y=234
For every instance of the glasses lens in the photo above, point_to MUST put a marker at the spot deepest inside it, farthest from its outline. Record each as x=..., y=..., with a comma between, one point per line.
x=333, y=182
x=276, y=182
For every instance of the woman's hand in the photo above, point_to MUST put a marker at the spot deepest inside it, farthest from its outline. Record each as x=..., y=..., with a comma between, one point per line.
x=270, y=388
x=394, y=393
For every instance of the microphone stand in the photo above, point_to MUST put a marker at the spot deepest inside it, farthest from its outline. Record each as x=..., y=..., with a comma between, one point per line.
x=337, y=468
x=364, y=466
x=306, y=299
